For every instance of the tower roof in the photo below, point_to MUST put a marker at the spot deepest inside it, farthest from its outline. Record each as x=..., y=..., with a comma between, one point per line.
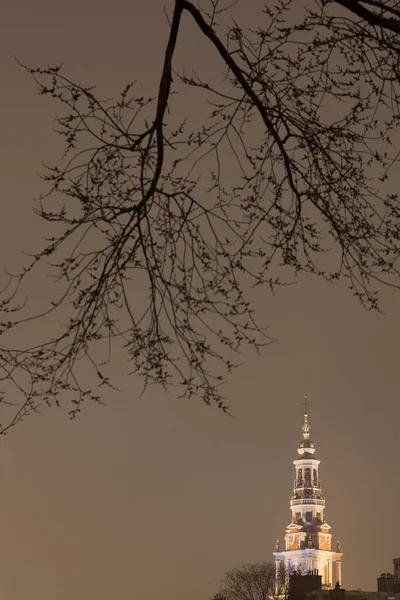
x=306, y=446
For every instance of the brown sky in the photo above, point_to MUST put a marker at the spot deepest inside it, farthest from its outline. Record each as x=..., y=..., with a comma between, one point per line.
x=156, y=498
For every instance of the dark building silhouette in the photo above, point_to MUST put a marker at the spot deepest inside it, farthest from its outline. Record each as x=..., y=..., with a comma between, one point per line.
x=302, y=586
x=385, y=582
x=309, y=587
x=396, y=575
x=337, y=593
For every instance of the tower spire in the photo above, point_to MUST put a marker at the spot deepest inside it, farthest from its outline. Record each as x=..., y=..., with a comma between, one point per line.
x=306, y=427
x=308, y=537
x=306, y=446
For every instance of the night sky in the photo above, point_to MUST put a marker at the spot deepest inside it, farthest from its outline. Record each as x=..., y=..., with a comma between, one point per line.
x=152, y=497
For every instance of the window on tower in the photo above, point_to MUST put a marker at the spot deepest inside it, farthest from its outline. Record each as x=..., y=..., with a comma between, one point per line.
x=315, y=478
x=307, y=477
x=300, y=478
x=298, y=516
x=308, y=516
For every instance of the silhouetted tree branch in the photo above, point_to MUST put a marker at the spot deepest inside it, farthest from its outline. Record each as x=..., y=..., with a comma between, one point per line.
x=372, y=17
x=155, y=241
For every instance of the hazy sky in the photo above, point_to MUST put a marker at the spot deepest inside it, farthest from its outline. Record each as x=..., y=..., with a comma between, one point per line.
x=153, y=497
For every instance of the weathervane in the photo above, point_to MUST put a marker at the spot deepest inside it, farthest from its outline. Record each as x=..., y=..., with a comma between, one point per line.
x=306, y=428
x=306, y=403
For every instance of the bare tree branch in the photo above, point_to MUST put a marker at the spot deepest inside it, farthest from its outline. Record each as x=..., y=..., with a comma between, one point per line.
x=158, y=229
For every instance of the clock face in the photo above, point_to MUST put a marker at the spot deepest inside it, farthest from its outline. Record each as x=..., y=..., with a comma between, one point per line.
x=293, y=542
x=324, y=542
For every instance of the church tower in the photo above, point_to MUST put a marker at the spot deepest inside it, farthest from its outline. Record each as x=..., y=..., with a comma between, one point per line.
x=308, y=537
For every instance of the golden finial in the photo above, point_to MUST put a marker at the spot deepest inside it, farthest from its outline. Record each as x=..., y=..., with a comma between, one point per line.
x=306, y=403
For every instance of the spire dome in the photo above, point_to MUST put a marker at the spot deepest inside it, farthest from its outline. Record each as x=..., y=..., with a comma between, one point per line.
x=306, y=445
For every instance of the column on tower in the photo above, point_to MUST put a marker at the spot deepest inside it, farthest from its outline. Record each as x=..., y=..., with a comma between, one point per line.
x=339, y=571
x=281, y=574
x=325, y=578
x=329, y=572
x=277, y=572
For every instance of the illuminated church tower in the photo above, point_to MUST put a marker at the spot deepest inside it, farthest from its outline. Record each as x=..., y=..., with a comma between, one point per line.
x=308, y=536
